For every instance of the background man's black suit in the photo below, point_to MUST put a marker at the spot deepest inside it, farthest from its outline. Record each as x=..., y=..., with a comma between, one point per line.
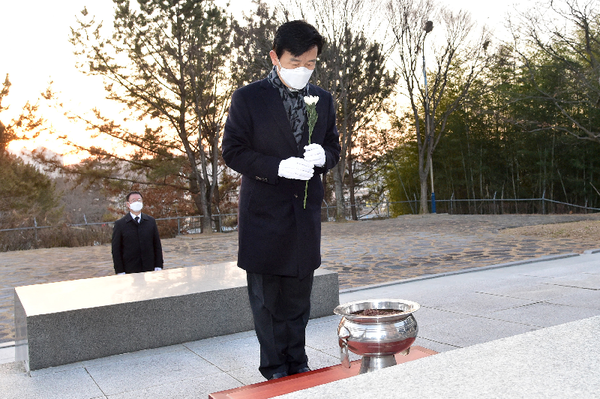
x=136, y=246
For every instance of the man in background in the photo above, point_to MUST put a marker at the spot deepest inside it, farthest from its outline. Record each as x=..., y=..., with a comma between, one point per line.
x=136, y=244
x=268, y=140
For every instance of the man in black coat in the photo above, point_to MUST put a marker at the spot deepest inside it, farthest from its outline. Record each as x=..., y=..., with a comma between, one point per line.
x=136, y=244
x=274, y=140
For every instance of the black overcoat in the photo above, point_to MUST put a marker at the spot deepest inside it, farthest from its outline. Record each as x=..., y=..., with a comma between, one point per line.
x=136, y=246
x=277, y=235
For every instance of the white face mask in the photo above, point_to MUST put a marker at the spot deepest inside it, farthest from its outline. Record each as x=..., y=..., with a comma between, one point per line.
x=136, y=206
x=296, y=78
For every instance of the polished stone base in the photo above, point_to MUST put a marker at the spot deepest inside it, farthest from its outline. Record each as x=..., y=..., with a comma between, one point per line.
x=71, y=321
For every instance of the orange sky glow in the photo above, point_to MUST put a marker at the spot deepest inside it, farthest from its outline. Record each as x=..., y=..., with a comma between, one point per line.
x=39, y=52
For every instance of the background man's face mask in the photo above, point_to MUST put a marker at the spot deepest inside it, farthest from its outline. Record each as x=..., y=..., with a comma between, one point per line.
x=296, y=78
x=136, y=206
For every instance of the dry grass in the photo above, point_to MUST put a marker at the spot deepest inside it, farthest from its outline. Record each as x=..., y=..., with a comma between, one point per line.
x=61, y=236
x=588, y=230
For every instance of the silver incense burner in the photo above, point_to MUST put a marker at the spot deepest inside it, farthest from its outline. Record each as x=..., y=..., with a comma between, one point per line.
x=376, y=329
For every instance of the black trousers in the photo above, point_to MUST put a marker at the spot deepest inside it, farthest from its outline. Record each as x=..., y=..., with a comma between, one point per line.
x=281, y=308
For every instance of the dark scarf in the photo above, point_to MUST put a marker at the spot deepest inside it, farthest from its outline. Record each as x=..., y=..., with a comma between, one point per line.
x=293, y=102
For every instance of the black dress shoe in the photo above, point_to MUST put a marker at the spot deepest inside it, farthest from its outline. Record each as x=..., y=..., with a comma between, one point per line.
x=278, y=375
x=303, y=370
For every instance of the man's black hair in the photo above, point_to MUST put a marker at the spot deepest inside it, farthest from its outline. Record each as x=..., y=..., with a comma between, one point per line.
x=297, y=37
x=134, y=192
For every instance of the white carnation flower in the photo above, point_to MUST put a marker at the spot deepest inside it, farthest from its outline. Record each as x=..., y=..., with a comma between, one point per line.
x=311, y=100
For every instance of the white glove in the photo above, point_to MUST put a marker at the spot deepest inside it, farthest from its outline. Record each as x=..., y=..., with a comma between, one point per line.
x=295, y=168
x=315, y=154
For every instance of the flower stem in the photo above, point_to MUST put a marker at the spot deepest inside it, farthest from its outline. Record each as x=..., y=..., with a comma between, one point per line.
x=311, y=110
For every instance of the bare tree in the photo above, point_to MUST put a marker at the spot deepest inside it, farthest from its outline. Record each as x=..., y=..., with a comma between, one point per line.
x=457, y=62
x=353, y=68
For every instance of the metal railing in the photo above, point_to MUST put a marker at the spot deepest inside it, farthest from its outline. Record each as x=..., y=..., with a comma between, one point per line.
x=96, y=233
x=492, y=206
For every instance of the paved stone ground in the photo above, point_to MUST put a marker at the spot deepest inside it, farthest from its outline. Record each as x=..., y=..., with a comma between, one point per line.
x=363, y=253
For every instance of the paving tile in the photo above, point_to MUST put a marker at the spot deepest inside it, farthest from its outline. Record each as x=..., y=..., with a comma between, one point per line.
x=56, y=369
x=318, y=359
x=583, y=280
x=7, y=355
x=192, y=388
x=427, y=317
x=434, y=345
x=228, y=354
x=581, y=298
x=476, y=303
x=539, y=291
x=247, y=376
x=545, y=314
x=323, y=335
x=71, y=384
x=470, y=330
x=138, y=373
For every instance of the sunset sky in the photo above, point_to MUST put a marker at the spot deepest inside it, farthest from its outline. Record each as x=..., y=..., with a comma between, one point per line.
x=34, y=50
